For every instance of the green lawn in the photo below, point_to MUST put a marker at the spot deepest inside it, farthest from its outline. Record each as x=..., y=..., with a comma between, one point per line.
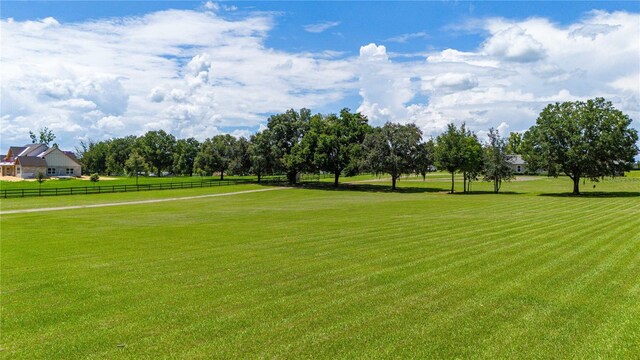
x=109, y=181
x=358, y=272
x=633, y=174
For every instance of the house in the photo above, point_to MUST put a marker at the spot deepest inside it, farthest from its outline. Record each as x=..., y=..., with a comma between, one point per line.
x=27, y=161
x=517, y=163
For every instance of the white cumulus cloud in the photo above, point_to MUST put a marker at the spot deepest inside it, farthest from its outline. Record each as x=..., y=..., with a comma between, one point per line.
x=514, y=44
x=196, y=73
x=321, y=27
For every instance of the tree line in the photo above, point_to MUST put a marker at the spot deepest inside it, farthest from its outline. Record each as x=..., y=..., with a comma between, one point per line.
x=580, y=139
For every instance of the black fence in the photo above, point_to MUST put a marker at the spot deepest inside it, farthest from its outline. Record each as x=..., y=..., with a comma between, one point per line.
x=104, y=189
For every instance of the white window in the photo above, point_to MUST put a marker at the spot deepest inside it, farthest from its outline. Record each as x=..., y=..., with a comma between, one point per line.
x=51, y=171
x=69, y=171
x=18, y=170
x=519, y=169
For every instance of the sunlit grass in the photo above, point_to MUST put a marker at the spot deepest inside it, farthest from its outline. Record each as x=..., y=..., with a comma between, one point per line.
x=358, y=272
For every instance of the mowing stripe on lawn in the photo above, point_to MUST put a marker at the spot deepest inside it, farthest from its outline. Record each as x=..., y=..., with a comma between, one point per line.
x=139, y=202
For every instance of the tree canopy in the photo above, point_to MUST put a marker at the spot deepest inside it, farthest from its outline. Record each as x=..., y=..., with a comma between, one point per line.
x=157, y=148
x=184, y=156
x=581, y=139
x=514, y=144
x=392, y=149
x=496, y=167
x=588, y=139
x=338, y=141
x=215, y=155
x=425, y=158
x=44, y=136
x=285, y=132
x=262, y=162
x=135, y=164
x=449, y=152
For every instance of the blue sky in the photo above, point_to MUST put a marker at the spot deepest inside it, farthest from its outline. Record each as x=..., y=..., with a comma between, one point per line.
x=360, y=21
x=95, y=70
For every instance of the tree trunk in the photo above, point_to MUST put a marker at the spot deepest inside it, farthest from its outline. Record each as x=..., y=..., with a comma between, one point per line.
x=222, y=175
x=393, y=182
x=464, y=181
x=424, y=176
x=496, y=186
x=336, y=176
x=576, y=185
x=259, y=178
x=452, y=182
x=159, y=173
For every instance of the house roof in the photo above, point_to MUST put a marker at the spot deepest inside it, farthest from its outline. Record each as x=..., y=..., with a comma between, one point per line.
x=68, y=154
x=46, y=152
x=31, y=161
x=72, y=156
x=29, y=154
x=15, y=150
x=30, y=150
x=516, y=160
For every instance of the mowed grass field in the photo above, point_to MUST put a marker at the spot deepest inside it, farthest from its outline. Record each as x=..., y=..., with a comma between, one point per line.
x=313, y=272
x=111, y=181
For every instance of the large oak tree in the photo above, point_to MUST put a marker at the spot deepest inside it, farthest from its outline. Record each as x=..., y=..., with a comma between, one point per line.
x=581, y=139
x=285, y=133
x=157, y=148
x=215, y=155
x=392, y=149
x=338, y=141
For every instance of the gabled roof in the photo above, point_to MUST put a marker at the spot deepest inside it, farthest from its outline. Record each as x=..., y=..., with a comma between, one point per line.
x=46, y=152
x=32, y=150
x=516, y=160
x=68, y=154
x=31, y=161
x=15, y=150
x=72, y=156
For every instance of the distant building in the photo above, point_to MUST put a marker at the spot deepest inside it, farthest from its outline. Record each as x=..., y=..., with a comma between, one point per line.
x=26, y=161
x=517, y=163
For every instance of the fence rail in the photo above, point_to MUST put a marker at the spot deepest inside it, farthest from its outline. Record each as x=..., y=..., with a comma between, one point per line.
x=104, y=189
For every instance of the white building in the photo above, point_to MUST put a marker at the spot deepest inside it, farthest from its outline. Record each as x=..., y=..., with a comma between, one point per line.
x=518, y=165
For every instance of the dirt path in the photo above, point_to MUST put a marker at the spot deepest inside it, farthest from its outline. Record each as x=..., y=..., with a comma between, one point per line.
x=152, y=201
